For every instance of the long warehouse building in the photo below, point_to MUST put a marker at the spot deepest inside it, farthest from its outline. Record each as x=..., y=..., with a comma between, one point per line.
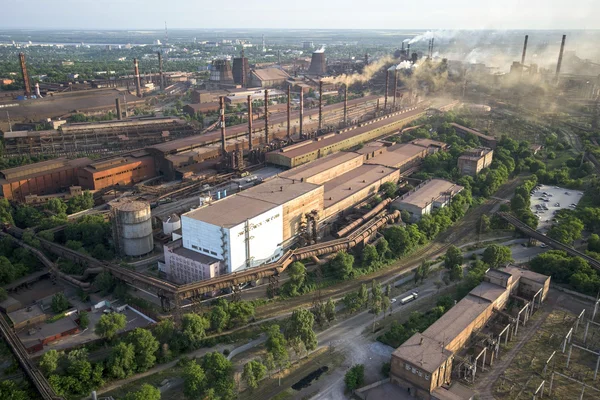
x=310, y=150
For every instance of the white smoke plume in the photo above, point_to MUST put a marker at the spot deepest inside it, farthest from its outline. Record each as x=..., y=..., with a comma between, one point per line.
x=364, y=76
x=403, y=65
x=437, y=35
x=321, y=50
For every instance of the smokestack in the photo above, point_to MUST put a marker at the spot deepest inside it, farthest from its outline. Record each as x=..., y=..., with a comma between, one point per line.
x=249, y=122
x=345, y=105
x=431, y=52
x=25, y=74
x=289, y=127
x=560, y=56
x=136, y=72
x=160, y=71
x=320, y=105
x=387, y=84
x=301, y=111
x=402, y=46
x=524, y=50
x=408, y=50
x=118, y=103
x=395, y=87
x=222, y=111
x=266, y=116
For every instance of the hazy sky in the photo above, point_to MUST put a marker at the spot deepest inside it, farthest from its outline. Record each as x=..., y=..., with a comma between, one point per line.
x=304, y=14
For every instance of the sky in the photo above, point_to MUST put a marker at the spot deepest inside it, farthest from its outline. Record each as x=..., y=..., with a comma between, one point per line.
x=305, y=14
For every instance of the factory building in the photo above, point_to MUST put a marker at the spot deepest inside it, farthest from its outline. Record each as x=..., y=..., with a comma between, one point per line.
x=423, y=365
x=268, y=77
x=41, y=178
x=220, y=72
x=474, y=160
x=185, y=266
x=310, y=150
x=200, y=108
x=207, y=96
x=401, y=156
x=125, y=170
x=433, y=146
x=485, y=140
x=422, y=200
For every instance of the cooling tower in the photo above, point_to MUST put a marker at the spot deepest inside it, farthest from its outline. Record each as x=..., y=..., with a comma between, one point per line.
x=317, y=63
x=221, y=72
x=240, y=71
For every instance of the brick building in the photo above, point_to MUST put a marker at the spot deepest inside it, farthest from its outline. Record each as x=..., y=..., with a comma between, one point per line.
x=474, y=160
x=423, y=365
x=126, y=170
x=41, y=178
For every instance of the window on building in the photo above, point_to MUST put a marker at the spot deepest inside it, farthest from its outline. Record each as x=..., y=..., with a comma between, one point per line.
x=407, y=367
x=427, y=377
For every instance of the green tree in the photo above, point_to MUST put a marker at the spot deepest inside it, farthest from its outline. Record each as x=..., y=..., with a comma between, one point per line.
x=218, y=370
x=254, y=371
x=146, y=392
x=484, y=224
x=6, y=212
x=276, y=345
x=84, y=319
x=9, y=390
x=355, y=377
x=518, y=203
x=300, y=325
x=363, y=296
x=342, y=265
x=383, y=249
x=594, y=243
x=194, y=329
x=389, y=188
x=369, y=256
x=297, y=274
x=49, y=362
x=195, y=382
x=121, y=362
x=219, y=318
x=57, y=206
x=109, y=324
x=105, y=282
x=146, y=347
x=496, y=256
x=59, y=302
x=330, y=310
x=3, y=294
x=453, y=257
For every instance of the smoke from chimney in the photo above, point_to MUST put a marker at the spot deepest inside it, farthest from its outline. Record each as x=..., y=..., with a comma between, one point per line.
x=365, y=76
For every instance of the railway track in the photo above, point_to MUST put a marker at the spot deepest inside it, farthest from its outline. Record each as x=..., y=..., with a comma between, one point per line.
x=34, y=374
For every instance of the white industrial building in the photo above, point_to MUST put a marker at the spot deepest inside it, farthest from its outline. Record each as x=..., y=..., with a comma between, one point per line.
x=240, y=232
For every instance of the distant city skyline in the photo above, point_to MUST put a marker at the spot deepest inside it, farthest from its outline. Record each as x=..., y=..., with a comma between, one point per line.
x=309, y=14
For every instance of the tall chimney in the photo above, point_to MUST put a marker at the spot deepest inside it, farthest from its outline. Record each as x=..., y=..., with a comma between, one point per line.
x=119, y=114
x=403, y=46
x=408, y=50
x=250, y=122
x=431, y=51
x=222, y=111
x=320, y=105
x=25, y=74
x=266, y=116
x=301, y=111
x=345, y=105
x=560, y=56
x=387, y=83
x=289, y=127
x=524, y=50
x=160, y=71
x=395, y=87
x=136, y=72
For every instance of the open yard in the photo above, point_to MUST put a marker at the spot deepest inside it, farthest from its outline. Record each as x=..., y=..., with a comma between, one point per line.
x=526, y=371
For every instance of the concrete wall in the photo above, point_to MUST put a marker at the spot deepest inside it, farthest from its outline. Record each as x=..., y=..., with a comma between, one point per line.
x=136, y=170
x=49, y=183
x=477, y=324
x=338, y=170
x=294, y=211
x=202, y=237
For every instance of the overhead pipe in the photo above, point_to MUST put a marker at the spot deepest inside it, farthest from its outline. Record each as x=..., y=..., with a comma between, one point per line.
x=222, y=118
x=136, y=72
x=560, y=56
x=350, y=227
x=266, y=116
x=250, y=116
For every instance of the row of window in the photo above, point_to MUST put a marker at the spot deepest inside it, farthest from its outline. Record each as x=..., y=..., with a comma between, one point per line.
x=204, y=250
x=121, y=172
x=415, y=371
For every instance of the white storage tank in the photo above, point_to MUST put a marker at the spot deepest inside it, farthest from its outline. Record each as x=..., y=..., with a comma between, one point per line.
x=132, y=228
x=172, y=223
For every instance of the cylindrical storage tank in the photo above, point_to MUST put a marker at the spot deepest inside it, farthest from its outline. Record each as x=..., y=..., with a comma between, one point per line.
x=132, y=228
x=171, y=224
